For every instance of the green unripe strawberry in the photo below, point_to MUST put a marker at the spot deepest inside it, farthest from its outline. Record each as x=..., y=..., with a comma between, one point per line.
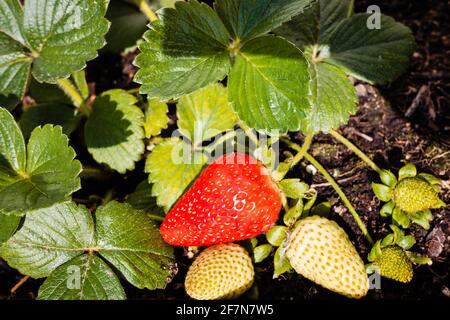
x=413, y=195
x=223, y=271
x=393, y=263
x=321, y=251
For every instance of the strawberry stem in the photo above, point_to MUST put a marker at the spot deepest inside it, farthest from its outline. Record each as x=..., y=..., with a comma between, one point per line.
x=336, y=187
x=305, y=147
x=356, y=150
x=342, y=195
x=252, y=136
x=147, y=10
x=72, y=92
x=351, y=7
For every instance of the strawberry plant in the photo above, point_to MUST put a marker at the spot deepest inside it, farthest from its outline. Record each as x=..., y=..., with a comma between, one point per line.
x=205, y=130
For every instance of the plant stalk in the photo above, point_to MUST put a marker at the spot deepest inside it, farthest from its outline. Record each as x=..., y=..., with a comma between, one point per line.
x=69, y=89
x=304, y=149
x=147, y=10
x=342, y=195
x=356, y=150
x=351, y=8
x=252, y=136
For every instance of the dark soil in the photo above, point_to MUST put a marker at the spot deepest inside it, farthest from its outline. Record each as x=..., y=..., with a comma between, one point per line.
x=406, y=120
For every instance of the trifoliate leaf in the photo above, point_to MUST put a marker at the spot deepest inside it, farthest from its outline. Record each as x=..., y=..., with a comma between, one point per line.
x=205, y=113
x=85, y=277
x=44, y=174
x=316, y=24
x=49, y=238
x=8, y=225
x=184, y=51
x=333, y=98
x=251, y=18
x=114, y=131
x=52, y=39
x=172, y=156
x=155, y=118
x=128, y=25
x=142, y=199
x=268, y=85
x=42, y=114
x=373, y=55
x=124, y=236
x=132, y=244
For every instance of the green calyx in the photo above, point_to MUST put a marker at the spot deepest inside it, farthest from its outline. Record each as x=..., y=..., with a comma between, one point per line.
x=413, y=195
x=393, y=263
x=410, y=197
x=391, y=258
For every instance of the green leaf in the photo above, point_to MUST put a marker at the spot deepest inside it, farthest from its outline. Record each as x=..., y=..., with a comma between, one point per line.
x=128, y=25
x=132, y=243
x=268, y=85
x=52, y=39
x=372, y=55
x=12, y=148
x=332, y=100
x=423, y=219
x=388, y=178
x=407, y=242
x=85, y=277
x=8, y=225
x=387, y=209
x=375, y=252
x=407, y=171
x=388, y=240
x=261, y=252
x=49, y=238
x=48, y=175
x=42, y=114
x=316, y=24
x=418, y=259
x=431, y=179
x=401, y=218
x=276, y=235
x=155, y=118
x=252, y=18
x=14, y=67
x=280, y=262
x=142, y=199
x=292, y=215
x=114, y=131
x=184, y=51
x=174, y=156
x=382, y=192
x=323, y=209
x=398, y=233
x=205, y=113
x=294, y=188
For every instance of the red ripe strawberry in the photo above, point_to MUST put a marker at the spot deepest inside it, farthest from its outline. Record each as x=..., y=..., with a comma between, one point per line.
x=233, y=199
